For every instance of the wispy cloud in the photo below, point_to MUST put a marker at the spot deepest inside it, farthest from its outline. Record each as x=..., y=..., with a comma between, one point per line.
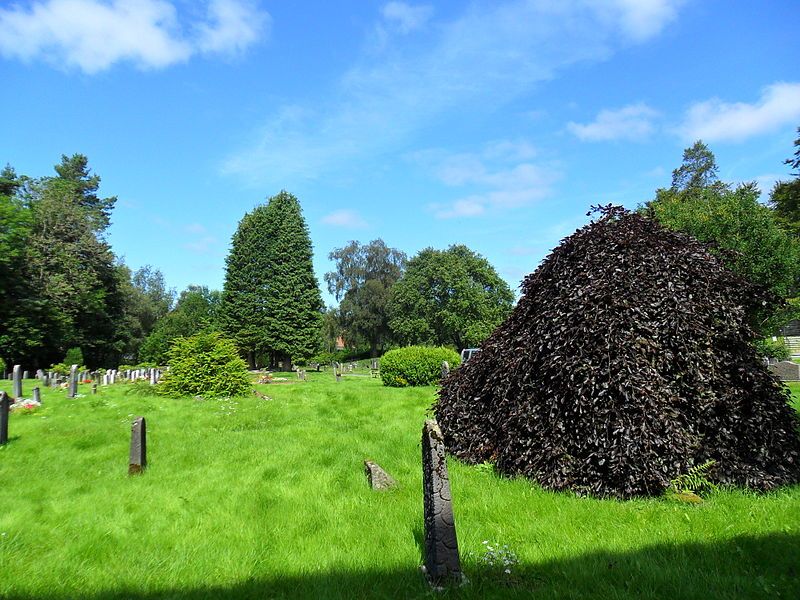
x=93, y=35
x=632, y=122
x=490, y=55
x=503, y=175
x=718, y=121
x=195, y=228
x=202, y=244
x=345, y=218
x=405, y=17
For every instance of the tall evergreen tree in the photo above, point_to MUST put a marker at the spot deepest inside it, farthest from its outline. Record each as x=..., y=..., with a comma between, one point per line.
x=271, y=303
x=72, y=265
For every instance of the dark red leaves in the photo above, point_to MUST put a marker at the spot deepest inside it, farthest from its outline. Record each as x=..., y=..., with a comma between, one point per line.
x=627, y=361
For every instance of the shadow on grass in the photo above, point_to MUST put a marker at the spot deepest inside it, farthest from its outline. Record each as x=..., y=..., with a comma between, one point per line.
x=741, y=567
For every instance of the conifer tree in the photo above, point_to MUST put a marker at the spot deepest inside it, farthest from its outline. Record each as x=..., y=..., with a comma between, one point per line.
x=271, y=302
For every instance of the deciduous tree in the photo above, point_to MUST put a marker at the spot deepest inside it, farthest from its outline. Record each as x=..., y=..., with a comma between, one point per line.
x=448, y=297
x=362, y=282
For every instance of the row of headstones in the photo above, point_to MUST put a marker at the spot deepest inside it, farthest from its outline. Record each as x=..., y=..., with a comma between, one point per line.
x=53, y=379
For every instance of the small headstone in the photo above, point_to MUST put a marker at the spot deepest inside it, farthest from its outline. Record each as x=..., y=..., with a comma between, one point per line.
x=445, y=369
x=94, y=388
x=25, y=375
x=37, y=396
x=16, y=382
x=442, y=564
x=378, y=479
x=5, y=406
x=73, y=381
x=153, y=377
x=138, y=457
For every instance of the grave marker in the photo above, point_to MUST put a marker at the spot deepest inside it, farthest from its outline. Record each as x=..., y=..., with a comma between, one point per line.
x=138, y=456
x=16, y=382
x=378, y=479
x=37, y=396
x=442, y=564
x=73, y=381
x=445, y=369
x=5, y=406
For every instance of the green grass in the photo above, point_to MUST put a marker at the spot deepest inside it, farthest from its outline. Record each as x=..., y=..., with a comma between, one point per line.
x=249, y=498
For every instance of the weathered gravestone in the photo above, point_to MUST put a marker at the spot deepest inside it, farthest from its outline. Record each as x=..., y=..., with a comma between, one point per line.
x=445, y=369
x=26, y=375
x=94, y=388
x=37, y=396
x=378, y=479
x=786, y=370
x=442, y=564
x=138, y=457
x=5, y=406
x=73, y=381
x=16, y=382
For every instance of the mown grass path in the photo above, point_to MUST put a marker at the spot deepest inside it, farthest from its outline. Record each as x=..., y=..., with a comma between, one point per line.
x=250, y=498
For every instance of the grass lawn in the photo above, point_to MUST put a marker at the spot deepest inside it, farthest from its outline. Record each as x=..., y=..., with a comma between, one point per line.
x=251, y=498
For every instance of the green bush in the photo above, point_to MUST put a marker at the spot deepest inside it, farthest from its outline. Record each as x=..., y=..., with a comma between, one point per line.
x=416, y=365
x=204, y=364
x=64, y=368
x=74, y=357
x=2, y=366
x=770, y=348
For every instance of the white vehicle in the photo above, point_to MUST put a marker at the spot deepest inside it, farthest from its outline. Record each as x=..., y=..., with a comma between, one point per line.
x=468, y=353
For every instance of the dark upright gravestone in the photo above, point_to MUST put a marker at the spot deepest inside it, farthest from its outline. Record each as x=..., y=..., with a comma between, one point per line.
x=442, y=564
x=5, y=406
x=138, y=458
x=37, y=396
x=94, y=388
x=73, y=381
x=16, y=382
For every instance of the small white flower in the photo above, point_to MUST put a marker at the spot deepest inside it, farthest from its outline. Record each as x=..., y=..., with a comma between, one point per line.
x=507, y=571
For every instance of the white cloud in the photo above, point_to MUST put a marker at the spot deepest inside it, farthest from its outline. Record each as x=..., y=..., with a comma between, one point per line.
x=717, y=121
x=345, y=218
x=488, y=56
x=497, y=181
x=642, y=19
x=633, y=122
x=406, y=18
x=232, y=26
x=92, y=35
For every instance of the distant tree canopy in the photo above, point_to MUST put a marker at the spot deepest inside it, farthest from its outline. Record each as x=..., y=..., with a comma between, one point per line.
x=450, y=297
x=362, y=281
x=748, y=235
x=271, y=303
x=785, y=196
x=66, y=289
x=196, y=311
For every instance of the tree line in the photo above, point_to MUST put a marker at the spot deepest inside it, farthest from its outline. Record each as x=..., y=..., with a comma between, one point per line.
x=63, y=288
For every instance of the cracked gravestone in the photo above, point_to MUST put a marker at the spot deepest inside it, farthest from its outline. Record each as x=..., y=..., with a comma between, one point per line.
x=378, y=479
x=138, y=457
x=442, y=564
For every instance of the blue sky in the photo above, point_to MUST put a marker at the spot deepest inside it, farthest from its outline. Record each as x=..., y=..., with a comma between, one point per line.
x=492, y=124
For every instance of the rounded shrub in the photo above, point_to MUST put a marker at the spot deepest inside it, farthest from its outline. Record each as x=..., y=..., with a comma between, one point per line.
x=416, y=365
x=206, y=363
